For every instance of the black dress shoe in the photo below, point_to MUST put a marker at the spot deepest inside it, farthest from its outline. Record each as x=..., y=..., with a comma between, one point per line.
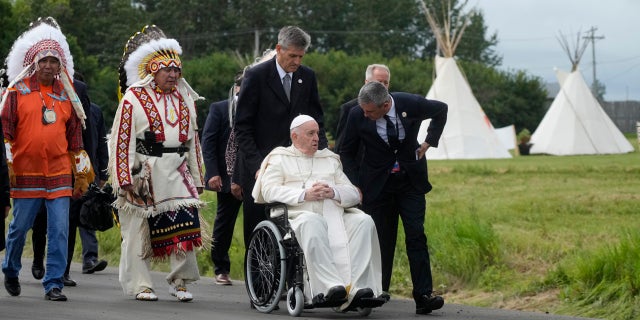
x=385, y=295
x=363, y=293
x=427, y=303
x=12, y=285
x=335, y=294
x=55, y=294
x=68, y=282
x=37, y=270
x=94, y=266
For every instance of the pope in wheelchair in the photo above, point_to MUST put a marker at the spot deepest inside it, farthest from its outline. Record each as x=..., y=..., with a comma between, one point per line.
x=339, y=242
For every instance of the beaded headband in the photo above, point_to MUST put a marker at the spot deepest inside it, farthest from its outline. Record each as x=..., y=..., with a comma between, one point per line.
x=163, y=59
x=145, y=53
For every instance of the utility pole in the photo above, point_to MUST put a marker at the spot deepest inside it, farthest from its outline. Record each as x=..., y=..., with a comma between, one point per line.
x=593, y=39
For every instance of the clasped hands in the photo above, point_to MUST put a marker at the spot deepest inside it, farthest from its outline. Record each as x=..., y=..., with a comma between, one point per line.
x=319, y=191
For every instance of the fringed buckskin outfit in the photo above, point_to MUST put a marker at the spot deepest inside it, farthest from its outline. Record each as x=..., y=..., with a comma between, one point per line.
x=155, y=149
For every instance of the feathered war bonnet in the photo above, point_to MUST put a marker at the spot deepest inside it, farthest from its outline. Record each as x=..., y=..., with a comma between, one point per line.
x=145, y=53
x=42, y=39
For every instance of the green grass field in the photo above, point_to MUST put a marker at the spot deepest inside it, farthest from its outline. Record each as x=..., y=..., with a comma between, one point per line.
x=536, y=233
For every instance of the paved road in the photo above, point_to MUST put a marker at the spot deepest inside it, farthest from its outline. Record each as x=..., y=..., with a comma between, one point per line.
x=99, y=296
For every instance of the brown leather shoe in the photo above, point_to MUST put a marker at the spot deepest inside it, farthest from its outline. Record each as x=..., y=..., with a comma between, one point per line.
x=223, y=279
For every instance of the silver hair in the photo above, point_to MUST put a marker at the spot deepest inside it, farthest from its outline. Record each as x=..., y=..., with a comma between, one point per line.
x=373, y=92
x=368, y=74
x=292, y=36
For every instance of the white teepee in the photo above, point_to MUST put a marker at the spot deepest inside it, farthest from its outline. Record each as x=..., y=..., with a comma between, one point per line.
x=468, y=133
x=575, y=122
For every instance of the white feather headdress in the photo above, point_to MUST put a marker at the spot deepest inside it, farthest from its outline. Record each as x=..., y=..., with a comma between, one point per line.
x=43, y=38
x=144, y=54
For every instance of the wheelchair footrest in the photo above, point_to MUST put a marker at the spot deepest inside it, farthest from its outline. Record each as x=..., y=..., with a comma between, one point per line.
x=368, y=303
x=319, y=301
x=329, y=304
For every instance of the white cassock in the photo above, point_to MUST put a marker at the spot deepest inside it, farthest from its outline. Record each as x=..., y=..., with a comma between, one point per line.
x=340, y=243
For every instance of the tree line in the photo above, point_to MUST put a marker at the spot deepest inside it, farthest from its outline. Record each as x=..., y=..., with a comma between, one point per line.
x=219, y=37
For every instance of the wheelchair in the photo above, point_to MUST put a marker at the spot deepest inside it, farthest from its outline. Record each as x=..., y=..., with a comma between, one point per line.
x=274, y=264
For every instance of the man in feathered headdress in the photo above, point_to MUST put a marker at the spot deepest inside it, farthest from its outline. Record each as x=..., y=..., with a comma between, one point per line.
x=42, y=121
x=156, y=163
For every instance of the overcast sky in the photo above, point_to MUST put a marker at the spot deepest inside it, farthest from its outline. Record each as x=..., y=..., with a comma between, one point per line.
x=528, y=29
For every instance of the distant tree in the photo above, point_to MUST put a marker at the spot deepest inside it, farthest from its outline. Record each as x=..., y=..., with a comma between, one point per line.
x=102, y=28
x=27, y=11
x=392, y=28
x=203, y=27
x=353, y=26
x=9, y=30
x=475, y=45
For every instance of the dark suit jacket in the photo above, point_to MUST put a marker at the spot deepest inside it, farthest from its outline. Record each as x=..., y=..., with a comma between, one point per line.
x=264, y=114
x=98, y=151
x=371, y=174
x=342, y=122
x=81, y=90
x=215, y=136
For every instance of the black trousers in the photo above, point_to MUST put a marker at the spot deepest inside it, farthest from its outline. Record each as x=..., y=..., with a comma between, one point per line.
x=226, y=214
x=399, y=199
x=253, y=214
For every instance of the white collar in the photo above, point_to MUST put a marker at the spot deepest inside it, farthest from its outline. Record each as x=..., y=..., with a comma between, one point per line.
x=281, y=71
x=392, y=111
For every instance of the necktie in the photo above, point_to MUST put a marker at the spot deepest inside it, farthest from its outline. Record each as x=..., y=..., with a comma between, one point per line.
x=286, y=84
x=392, y=133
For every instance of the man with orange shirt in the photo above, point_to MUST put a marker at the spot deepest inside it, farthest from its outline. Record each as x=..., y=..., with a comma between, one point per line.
x=42, y=121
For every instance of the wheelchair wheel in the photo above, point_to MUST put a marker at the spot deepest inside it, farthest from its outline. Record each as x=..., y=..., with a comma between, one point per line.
x=265, y=267
x=295, y=301
x=364, y=311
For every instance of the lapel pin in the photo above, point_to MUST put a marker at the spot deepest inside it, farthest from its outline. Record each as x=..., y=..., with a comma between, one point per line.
x=300, y=81
x=404, y=114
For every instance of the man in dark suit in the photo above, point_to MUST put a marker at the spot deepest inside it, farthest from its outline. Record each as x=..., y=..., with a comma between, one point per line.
x=5, y=202
x=393, y=176
x=266, y=108
x=374, y=72
x=215, y=137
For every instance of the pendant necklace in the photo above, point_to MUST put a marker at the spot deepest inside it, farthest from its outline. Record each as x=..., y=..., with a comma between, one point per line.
x=48, y=115
x=304, y=183
x=171, y=112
